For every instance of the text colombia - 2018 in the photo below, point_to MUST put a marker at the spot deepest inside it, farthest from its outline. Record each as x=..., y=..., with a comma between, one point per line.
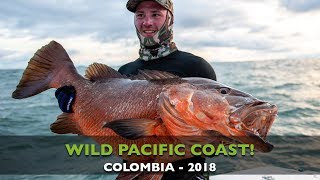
x=157, y=167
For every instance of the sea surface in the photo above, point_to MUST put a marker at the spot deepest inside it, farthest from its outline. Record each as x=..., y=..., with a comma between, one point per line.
x=293, y=85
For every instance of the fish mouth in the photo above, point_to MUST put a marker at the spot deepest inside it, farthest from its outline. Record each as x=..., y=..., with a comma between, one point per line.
x=251, y=124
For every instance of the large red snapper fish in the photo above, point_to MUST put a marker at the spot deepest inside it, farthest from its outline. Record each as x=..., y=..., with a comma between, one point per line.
x=151, y=104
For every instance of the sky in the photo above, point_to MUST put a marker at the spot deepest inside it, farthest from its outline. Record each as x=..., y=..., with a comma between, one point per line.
x=103, y=30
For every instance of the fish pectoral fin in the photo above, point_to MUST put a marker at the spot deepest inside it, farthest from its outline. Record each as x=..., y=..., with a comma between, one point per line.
x=65, y=125
x=98, y=71
x=134, y=128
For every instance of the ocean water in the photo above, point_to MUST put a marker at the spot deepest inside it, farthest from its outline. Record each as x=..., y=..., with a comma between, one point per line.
x=293, y=85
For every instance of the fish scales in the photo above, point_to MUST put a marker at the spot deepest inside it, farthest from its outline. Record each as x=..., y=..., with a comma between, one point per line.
x=124, y=106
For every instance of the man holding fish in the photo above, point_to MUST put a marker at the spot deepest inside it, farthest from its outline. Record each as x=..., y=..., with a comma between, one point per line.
x=153, y=20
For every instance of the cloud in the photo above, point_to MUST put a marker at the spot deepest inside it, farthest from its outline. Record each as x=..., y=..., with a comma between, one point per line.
x=224, y=23
x=12, y=59
x=5, y=53
x=301, y=5
x=100, y=30
x=67, y=18
x=237, y=38
x=208, y=14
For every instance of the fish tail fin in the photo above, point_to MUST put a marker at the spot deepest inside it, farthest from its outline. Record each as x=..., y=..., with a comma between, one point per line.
x=45, y=70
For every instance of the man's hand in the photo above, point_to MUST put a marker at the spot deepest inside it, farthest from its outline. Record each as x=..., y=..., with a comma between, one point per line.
x=65, y=96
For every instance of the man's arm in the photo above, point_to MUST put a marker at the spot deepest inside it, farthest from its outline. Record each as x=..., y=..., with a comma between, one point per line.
x=205, y=70
x=196, y=66
x=130, y=68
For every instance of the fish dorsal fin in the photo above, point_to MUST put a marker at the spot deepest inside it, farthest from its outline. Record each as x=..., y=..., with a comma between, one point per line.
x=153, y=75
x=98, y=71
x=65, y=125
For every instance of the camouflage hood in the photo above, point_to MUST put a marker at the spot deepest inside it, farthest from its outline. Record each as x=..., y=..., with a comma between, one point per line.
x=160, y=45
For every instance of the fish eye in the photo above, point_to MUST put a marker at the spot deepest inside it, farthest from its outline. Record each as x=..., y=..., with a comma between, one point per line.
x=224, y=90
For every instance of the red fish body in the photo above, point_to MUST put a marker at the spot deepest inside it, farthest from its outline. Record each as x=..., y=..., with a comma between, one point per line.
x=151, y=104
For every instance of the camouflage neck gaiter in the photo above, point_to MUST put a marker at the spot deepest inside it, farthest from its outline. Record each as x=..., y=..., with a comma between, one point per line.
x=160, y=44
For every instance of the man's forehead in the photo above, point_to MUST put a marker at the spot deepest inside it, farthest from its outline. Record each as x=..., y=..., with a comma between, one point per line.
x=154, y=6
